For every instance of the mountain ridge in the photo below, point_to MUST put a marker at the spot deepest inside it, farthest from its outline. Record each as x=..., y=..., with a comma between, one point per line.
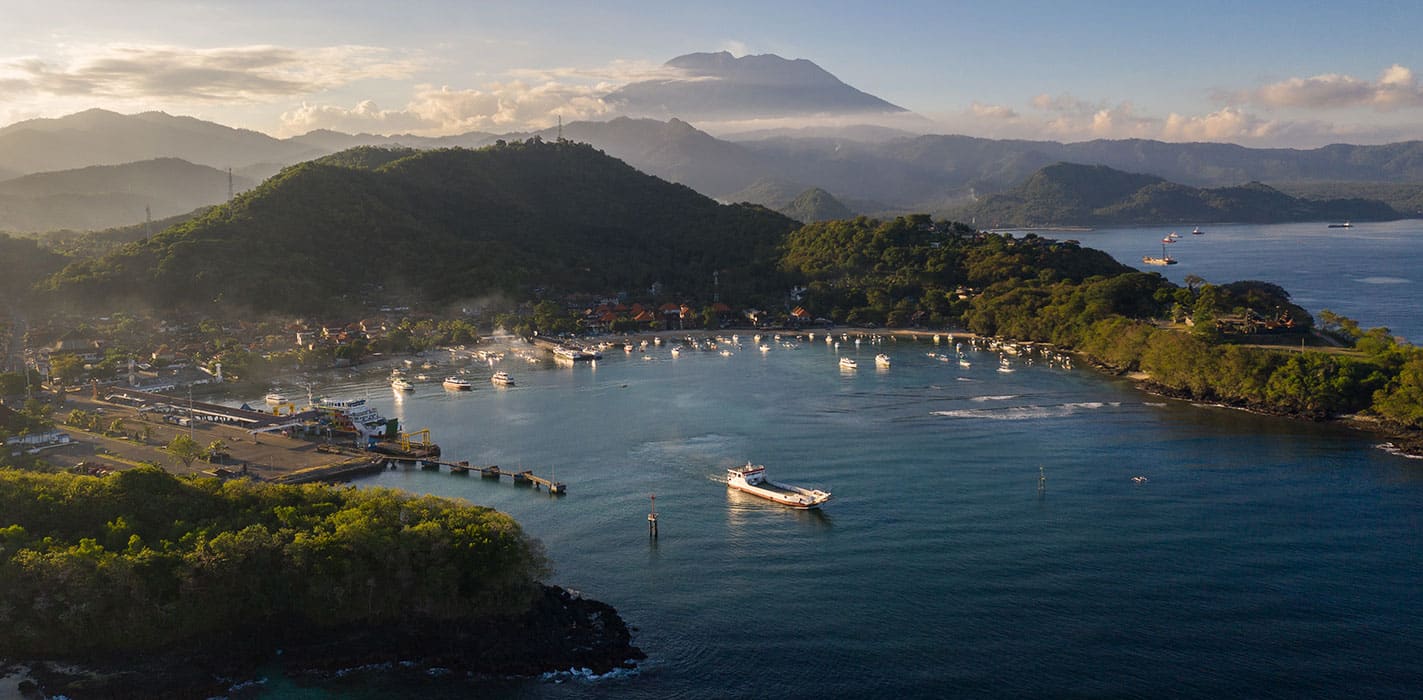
x=1073, y=194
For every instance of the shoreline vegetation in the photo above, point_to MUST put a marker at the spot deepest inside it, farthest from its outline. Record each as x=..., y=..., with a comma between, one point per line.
x=138, y=573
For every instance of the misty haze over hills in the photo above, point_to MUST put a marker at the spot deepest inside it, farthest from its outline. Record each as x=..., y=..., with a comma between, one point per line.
x=871, y=169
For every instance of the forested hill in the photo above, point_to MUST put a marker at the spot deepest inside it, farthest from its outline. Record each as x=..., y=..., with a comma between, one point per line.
x=1069, y=194
x=444, y=225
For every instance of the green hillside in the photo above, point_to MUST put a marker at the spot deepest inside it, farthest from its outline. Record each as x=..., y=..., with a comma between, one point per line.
x=444, y=225
x=1068, y=194
x=815, y=205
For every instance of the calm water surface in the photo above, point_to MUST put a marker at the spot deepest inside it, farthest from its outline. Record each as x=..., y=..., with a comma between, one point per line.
x=1262, y=557
x=1371, y=272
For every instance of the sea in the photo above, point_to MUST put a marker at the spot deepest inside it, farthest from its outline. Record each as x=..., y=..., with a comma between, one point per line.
x=1039, y=532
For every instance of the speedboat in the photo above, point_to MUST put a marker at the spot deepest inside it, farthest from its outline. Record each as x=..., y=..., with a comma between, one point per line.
x=502, y=379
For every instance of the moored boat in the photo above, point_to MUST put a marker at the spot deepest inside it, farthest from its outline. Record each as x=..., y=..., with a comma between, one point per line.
x=752, y=479
x=881, y=360
x=848, y=363
x=457, y=384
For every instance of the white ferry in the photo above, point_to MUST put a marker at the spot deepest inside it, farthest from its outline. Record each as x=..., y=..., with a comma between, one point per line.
x=457, y=384
x=881, y=360
x=752, y=479
x=275, y=398
x=502, y=379
x=849, y=363
x=354, y=416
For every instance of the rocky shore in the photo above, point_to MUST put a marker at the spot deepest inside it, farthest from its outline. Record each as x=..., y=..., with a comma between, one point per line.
x=561, y=631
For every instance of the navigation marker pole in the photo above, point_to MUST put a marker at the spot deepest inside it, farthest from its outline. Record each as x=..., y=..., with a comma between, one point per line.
x=1042, y=480
x=652, y=519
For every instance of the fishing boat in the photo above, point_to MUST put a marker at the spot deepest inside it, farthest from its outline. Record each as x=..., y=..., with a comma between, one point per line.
x=752, y=479
x=881, y=360
x=1163, y=260
x=849, y=363
x=457, y=384
x=502, y=379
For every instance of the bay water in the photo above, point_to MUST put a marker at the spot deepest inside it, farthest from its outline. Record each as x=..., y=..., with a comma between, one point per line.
x=987, y=536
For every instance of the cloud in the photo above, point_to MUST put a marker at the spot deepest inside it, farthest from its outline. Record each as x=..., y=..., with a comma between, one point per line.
x=1395, y=87
x=241, y=73
x=441, y=111
x=607, y=76
x=1071, y=117
x=984, y=111
x=1228, y=124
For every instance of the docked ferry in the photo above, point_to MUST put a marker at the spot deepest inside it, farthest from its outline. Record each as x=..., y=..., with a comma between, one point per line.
x=355, y=416
x=752, y=479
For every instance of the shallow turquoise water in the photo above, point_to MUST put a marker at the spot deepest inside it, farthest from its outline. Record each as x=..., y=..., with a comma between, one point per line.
x=1262, y=557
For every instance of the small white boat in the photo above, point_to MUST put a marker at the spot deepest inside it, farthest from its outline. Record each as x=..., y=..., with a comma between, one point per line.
x=849, y=363
x=1197, y=231
x=752, y=479
x=502, y=379
x=275, y=398
x=676, y=350
x=457, y=384
x=401, y=384
x=881, y=360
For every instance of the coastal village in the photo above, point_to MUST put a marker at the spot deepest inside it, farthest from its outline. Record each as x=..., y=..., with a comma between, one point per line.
x=115, y=392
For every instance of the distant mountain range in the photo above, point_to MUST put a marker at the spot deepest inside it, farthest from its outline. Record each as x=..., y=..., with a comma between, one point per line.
x=720, y=86
x=104, y=196
x=871, y=169
x=1069, y=194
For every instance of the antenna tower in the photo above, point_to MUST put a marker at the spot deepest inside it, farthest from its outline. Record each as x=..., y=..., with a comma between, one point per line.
x=560, y=128
x=147, y=221
x=229, y=183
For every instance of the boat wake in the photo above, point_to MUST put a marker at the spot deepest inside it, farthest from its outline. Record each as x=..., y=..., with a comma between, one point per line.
x=1385, y=280
x=1027, y=412
x=1004, y=397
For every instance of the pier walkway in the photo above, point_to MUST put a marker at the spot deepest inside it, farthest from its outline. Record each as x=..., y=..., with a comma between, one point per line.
x=492, y=471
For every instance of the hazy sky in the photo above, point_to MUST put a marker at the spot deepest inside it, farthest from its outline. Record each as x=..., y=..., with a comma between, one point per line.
x=1258, y=73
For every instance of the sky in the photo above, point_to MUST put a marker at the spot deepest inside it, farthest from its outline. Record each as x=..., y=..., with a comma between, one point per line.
x=1258, y=73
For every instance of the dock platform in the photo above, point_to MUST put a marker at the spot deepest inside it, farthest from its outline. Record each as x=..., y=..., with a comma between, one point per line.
x=492, y=471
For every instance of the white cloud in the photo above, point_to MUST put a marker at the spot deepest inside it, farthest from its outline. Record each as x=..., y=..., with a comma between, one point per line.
x=1227, y=124
x=1396, y=87
x=735, y=48
x=232, y=74
x=985, y=111
x=439, y=111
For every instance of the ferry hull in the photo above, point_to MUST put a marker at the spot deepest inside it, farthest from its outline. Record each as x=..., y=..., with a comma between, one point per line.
x=783, y=499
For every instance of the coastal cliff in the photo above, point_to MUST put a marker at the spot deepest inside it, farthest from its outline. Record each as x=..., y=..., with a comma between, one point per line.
x=560, y=632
